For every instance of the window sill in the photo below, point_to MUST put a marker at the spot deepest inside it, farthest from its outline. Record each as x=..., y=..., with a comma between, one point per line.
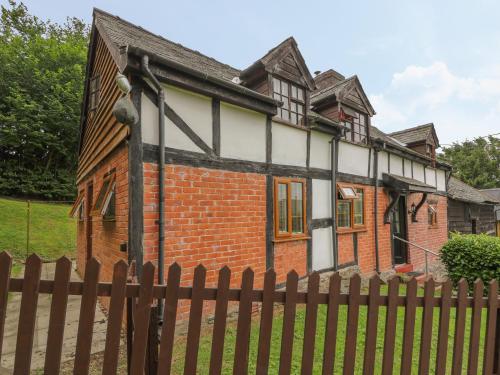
x=284, y=122
x=293, y=238
x=351, y=230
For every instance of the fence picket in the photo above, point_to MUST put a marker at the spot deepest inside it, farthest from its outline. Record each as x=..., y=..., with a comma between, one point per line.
x=57, y=316
x=5, y=268
x=115, y=317
x=266, y=322
x=169, y=319
x=458, y=344
x=310, y=324
x=244, y=324
x=409, y=327
x=220, y=319
x=390, y=326
x=426, y=334
x=352, y=325
x=141, y=319
x=27, y=315
x=287, y=335
x=475, y=329
x=87, y=315
x=444, y=327
x=491, y=323
x=371, y=325
x=332, y=319
x=194, y=325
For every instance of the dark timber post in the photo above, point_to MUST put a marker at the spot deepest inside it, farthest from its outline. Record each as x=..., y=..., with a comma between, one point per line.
x=334, y=165
x=496, y=361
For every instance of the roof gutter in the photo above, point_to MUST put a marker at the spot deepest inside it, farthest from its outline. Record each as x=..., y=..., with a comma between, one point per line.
x=137, y=51
x=161, y=175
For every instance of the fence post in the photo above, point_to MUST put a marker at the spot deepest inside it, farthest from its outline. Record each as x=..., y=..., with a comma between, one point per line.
x=151, y=367
x=496, y=361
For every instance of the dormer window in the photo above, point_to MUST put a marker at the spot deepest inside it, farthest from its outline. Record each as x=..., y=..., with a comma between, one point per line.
x=356, y=124
x=293, y=98
x=429, y=150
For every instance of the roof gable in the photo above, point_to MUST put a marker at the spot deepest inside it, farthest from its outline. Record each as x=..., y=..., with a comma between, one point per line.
x=461, y=191
x=423, y=133
x=285, y=60
x=348, y=91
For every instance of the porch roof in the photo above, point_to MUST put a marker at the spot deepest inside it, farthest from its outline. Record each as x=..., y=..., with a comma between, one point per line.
x=405, y=184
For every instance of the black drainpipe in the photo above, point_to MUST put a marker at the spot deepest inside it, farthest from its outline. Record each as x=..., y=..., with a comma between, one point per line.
x=161, y=176
x=334, y=156
x=375, y=208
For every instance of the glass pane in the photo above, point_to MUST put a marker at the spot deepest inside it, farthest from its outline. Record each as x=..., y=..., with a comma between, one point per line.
x=102, y=193
x=299, y=120
x=284, y=89
x=344, y=214
x=347, y=192
x=293, y=118
x=358, y=208
x=276, y=85
x=285, y=114
x=362, y=129
x=285, y=103
x=293, y=107
x=300, y=95
x=283, y=208
x=297, y=205
x=362, y=119
x=294, y=92
x=277, y=96
x=300, y=108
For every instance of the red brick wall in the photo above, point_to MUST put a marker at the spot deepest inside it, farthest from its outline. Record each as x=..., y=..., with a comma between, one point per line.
x=290, y=255
x=107, y=236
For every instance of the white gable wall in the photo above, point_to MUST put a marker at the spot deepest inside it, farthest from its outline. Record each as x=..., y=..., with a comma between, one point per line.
x=289, y=145
x=321, y=199
x=430, y=176
x=407, y=171
x=418, y=171
x=320, y=150
x=396, y=165
x=353, y=159
x=441, y=180
x=382, y=163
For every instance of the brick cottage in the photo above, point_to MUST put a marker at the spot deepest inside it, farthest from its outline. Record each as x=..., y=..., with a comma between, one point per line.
x=262, y=167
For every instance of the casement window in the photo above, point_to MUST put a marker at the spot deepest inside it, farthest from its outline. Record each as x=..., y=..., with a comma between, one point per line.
x=94, y=89
x=290, y=208
x=429, y=150
x=432, y=215
x=293, y=98
x=105, y=203
x=356, y=124
x=77, y=210
x=350, y=207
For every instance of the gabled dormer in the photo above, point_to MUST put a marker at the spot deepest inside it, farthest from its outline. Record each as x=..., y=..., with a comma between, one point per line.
x=422, y=139
x=283, y=74
x=344, y=100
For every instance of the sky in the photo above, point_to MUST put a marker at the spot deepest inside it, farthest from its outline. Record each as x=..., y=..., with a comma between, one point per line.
x=418, y=61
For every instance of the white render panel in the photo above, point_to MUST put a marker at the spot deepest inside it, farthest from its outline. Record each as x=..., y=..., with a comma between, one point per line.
x=174, y=137
x=243, y=133
x=396, y=164
x=353, y=159
x=322, y=254
x=407, y=168
x=441, y=180
x=418, y=171
x=430, y=176
x=321, y=199
x=382, y=163
x=289, y=145
x=320, y=150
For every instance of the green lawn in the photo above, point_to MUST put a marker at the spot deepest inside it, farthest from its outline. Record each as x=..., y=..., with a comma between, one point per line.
x=204, y=352
x=52, y=232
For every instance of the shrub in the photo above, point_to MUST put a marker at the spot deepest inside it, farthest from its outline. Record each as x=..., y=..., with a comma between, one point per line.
x=472, y=257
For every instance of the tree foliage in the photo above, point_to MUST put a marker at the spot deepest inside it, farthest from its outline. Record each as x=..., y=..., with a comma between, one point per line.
x=42, y=68
x=475, y=162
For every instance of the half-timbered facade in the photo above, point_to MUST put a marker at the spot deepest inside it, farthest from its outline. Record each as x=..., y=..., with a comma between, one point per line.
x=263, y=167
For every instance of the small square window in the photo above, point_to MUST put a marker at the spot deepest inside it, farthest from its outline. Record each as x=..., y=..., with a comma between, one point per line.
x=94, y=89
x=77, y=210
x=105, y=202
x=347, y=192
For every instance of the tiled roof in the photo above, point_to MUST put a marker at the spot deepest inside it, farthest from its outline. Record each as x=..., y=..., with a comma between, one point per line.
x=335, y=89
x=123, y=33
x=461, y=191
x=412, y=135
x=492, y=193
x=327, y=78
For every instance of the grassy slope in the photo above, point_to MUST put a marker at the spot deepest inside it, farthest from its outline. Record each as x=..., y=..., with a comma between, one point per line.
x=53, y=233
x=205, y=343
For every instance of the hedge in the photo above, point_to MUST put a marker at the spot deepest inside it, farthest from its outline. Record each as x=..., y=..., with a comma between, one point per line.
x=472, y=256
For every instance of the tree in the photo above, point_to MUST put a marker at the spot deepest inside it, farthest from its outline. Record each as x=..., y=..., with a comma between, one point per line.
x=42, y=67
x=475, y=162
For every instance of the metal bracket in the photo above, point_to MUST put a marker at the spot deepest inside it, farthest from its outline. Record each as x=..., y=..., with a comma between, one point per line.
x=395, y=198
x=417, y=207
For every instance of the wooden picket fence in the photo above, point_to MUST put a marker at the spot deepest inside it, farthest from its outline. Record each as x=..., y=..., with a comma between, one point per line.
x=144, y=294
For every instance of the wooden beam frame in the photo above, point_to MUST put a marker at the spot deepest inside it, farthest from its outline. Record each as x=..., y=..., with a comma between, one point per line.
x=395, y=195
x=417, y=208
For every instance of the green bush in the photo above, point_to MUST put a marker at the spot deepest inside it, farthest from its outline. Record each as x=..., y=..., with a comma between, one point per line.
x=472, y=257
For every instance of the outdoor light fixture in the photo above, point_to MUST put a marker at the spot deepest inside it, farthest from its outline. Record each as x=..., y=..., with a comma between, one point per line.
x=123, y=83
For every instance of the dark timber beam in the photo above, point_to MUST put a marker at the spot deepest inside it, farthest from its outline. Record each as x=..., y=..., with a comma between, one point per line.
x=417, y=208
x=394, y=200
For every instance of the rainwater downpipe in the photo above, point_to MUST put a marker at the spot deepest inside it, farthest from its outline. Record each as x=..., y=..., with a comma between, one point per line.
x=161, y=177
x=334, y=166
x=375, y=208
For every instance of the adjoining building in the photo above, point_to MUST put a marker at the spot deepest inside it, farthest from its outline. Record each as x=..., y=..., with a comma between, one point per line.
x=264, y=167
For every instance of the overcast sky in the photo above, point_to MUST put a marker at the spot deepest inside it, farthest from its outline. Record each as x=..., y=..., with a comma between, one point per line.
x=419, y=61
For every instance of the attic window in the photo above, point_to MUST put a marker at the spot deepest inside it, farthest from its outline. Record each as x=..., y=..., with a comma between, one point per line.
x=94, y=88
x=105, y=203
x=293, y=98
x=356, y=124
